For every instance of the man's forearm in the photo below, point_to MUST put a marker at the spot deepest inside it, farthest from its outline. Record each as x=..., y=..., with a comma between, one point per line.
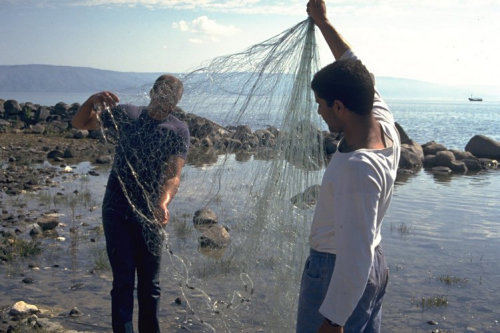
x=337, y=44
x=170, y=190
x=317, y=11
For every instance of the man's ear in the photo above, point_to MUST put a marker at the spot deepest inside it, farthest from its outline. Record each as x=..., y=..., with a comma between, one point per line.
x=338, y=105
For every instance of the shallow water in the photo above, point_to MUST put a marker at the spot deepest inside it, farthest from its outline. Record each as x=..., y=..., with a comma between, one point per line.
x=437, y=230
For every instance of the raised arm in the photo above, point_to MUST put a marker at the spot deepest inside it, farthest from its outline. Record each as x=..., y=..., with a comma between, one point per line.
x=86, y=117
x=317, y=11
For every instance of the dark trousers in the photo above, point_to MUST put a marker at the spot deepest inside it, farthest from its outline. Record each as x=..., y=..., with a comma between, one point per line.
x=127, y=254
x=318, y=270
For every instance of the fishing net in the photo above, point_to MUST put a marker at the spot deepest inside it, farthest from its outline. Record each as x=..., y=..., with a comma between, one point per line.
x=256, y=159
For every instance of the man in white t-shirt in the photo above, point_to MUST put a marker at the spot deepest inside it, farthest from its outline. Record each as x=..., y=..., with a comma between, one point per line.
x=345, y=275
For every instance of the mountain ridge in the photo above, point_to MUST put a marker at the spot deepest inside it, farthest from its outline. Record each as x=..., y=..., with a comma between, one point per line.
x=76, y=79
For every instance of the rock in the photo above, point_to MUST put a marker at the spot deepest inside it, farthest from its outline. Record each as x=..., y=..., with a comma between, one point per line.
x=41, y=114
x=266, y=138
x=68, y=153
x=473, y=164
x=429, y=161
x=36, y=230
x=215, y=236
x=200, y=127
x=55, y=154
x=12, y=109
x=28, y=113
x=28, y=280
x=483, y=146
x=307, y=198
x=61, y=108
x=330, y=144
x=23, y=309
x=458, y=167
x=206, y=142
x=104, y=159
x=96, y=134
x=432, y=322
x=48, y=224
x=402, y=134
x=244, y=134
x=489, y=163
x=461, y=155
x=431, y=148
x=37, y=129
x=75, y=312
x=79, y=134
x=45, y=325
x=232, y=144
x=444, y=158
x=204, y=216
x=412, y=156
x=4, y=125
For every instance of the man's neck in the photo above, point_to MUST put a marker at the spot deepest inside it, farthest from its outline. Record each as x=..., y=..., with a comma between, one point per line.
x=363, y=133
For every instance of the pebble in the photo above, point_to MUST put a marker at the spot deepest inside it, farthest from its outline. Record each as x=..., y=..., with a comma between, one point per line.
x=28, y=280
x=75, y=312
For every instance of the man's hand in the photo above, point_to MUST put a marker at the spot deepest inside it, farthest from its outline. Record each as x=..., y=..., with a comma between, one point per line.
x=103, y=99
x=316, y=9
x=163, y=215
x=326, y=327
x=86, y=117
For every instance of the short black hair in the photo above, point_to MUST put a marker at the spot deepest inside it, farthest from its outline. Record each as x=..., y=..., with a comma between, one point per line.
x=346, y=80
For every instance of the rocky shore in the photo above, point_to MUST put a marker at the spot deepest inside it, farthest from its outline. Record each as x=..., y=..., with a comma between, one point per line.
x=38, y=146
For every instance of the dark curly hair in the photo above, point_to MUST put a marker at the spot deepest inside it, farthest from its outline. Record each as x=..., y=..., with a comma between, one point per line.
x=346, y=80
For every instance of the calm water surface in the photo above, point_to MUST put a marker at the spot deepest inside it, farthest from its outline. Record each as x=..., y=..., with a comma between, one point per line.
x=437, y=230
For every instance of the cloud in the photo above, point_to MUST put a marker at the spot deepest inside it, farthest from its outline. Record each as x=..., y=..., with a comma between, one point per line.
x=276, y=7
x=203, y=29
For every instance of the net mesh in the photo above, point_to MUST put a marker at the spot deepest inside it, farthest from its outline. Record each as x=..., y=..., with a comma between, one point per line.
x=255, y=163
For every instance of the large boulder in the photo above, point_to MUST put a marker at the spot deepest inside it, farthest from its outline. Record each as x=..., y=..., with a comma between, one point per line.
x=412, y=156
x=12, y=109
x=483, y=147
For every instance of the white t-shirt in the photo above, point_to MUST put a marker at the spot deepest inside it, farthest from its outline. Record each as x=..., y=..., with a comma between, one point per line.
x=355, y=193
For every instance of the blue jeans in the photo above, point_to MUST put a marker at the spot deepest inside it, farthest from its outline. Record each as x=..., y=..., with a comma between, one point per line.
x=318, y=270
x=127, y=254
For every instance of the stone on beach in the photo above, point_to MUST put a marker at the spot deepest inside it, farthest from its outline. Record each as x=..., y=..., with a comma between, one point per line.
x=204, y=216
x=22, y=308
x=215, y=236
x=483, y=146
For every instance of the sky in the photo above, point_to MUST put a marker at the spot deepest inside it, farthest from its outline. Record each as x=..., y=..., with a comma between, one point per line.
x=450, y=42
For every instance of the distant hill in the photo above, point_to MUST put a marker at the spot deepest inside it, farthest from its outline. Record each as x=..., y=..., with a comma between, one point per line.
x=67, y=79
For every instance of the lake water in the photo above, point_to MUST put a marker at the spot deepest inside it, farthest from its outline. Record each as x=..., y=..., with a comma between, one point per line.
x=441, y=237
